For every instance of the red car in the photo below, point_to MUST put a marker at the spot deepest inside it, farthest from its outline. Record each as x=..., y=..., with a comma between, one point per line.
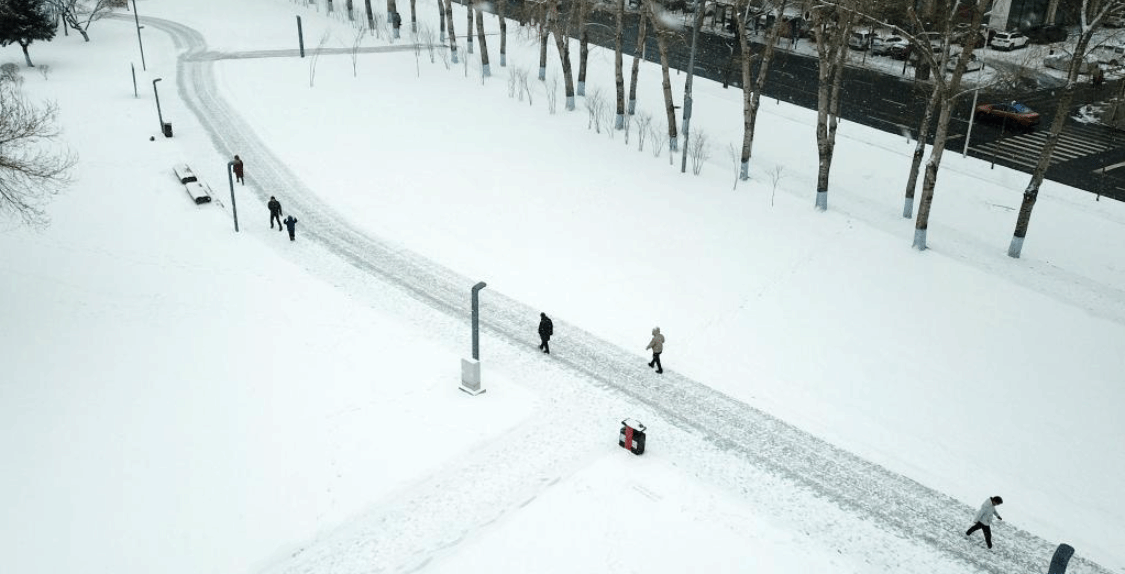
x=1013, y=113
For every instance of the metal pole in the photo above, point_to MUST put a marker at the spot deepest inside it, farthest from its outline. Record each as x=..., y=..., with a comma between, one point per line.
x=476, y=319
x=301, y=36
x=972, y=116
x=139, y=42
x=233, y=205
x=691, y=74
x=159, y=115
x=133, y=67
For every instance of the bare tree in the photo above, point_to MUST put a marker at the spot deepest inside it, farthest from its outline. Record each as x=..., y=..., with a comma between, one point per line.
x=413, y=17
x=700, y=151
x=595, y=104
x=561, y=31
x=662, y=25
x=644, y=120
x=582, y=7
x=832, y=23
x=501, y=8
x=659, y=137
x=752, y=87
x=449, y=24
x=949, y=91
x=395, y=20
x=618, y=72
x=30, y=171
x=357, y=41
x=469, y=26
x=484, y=67
x=638, y=55
x=544, y=31
x=776, y=175
x=1091, y=15
x=316, y=56
x=79, y=14
x=370, y=16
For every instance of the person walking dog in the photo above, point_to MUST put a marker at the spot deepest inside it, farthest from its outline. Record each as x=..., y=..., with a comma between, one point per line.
x=657, y=346
x=291, y=225
x=238, y=170
x=983, y=519
x=546, y=329
x=275, y=212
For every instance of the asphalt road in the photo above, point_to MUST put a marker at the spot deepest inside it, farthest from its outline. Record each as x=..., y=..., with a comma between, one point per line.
x=894, y=103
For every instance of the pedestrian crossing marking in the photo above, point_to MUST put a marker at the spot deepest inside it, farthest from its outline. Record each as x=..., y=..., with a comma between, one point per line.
x=1024, y=149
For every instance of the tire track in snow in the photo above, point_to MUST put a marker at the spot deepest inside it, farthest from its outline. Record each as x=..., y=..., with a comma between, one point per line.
x=778, y=448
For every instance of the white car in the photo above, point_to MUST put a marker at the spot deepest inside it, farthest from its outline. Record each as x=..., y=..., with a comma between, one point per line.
x=1061, y=60
x=884, y=46
x=1008, y=41
x=1105, y=53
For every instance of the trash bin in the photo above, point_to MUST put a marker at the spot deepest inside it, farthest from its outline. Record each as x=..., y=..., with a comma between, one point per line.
x=167, y=129
x=632, y=436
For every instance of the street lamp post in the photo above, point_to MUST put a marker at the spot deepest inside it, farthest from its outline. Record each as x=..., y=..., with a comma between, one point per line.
x=233, y=205
x=159, y=115
x=137, y=19
x=470, y=368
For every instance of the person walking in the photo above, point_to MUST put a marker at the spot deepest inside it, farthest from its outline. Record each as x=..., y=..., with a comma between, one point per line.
x=291, y=225
x=1098, y=77
x=657, y=346
x=546, y=329
x=983, y=519
x=238, y=170
x=275, y=212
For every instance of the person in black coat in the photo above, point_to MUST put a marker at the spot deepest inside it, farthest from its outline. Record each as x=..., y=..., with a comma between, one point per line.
x=546, y=329
x=291, y=223
x=275, y=212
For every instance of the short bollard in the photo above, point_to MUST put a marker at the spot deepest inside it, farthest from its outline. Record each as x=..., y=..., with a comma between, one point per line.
x=632, y=436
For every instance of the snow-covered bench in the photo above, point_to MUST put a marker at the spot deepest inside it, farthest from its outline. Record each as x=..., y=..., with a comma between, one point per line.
x=199, y=192
x=184, y=173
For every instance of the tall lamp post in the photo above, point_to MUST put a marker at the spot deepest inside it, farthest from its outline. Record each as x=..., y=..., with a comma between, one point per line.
x=137, y=19
x=233, y=205
x=470, y=368
x=159, y=115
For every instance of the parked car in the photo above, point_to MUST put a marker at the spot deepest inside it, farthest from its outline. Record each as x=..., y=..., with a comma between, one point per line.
x=901, y=51
x=962, y=35
x=1108, y=54
x=972, y=65
x=1013, y=113
x=934, y=38
x=914, y=54
x=1045, y=33
x=860, y=40
x=1008, y=41
x=1061, y=59
x=885, y=46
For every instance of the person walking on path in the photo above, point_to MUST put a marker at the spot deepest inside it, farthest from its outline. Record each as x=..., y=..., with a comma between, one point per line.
x=657, y=346
x=275, y=212
x=291, y=225
x=983, y=519
x=546, y=329
x=1098, y=77
x=238, y=170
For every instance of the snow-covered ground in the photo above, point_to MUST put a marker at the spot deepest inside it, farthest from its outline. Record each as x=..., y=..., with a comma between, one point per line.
x=181, y=398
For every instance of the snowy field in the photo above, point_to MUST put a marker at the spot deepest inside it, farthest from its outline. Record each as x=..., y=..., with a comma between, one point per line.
x=180, y=398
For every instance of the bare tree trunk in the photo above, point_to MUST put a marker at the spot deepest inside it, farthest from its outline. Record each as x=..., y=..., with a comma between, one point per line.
x=583, y=7
x=949, y=94
x=563, y=45
x=920, y=150
x=26, y=56
x=484, y=67
x=831, y=47
x=452, y=35
x=618, y=65
x=1031, y=192
x=669, y=105
x=752, y=88
x=442, y=17
x=371, y=15
x=544, y=31
x=413, y=17
x=501, y=8
x=351, y=11
x=638, y=55
x=469, y=28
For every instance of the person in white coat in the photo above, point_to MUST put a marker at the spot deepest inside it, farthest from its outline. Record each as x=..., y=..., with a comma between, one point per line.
x=983, y=519
x=657, y=346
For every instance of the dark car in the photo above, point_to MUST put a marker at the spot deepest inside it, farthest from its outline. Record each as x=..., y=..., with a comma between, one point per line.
x=1045, y=33
x=1012, y=113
